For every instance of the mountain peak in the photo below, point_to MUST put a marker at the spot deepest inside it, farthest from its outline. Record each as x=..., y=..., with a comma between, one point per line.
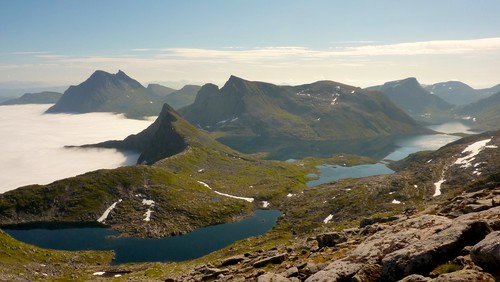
x=407, y=82
x=107, y=92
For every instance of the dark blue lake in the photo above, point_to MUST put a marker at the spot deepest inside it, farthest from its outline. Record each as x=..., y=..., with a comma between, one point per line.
x=195, y=244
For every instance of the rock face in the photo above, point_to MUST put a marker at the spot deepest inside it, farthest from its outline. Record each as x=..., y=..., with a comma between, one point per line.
x=323, y=110
x=486, y=253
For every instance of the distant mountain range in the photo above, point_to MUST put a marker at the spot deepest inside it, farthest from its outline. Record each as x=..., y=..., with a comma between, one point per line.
x=105, y=92
x=412, y=98
x=323, y=110
x=459, y=93
x=46, y=97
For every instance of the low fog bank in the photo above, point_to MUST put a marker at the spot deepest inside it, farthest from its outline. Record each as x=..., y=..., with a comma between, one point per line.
x=32, y=144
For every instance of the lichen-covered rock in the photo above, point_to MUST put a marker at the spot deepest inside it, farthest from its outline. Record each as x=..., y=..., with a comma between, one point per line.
x=271, y=277
x=336, y=271
x=422, y=256
x=486, y=253
x=465, y=275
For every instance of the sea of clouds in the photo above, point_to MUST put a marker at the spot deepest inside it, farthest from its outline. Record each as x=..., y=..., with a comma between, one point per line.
x=32, y=144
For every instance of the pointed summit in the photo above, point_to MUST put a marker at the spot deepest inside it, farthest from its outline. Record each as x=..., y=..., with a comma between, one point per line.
x=106, y=92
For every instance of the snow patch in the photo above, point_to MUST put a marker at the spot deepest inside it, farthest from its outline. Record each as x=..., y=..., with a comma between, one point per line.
x=328, y=218
x=437, y=187
x=147, y=214
x=290, y=195
x=390, y=193
x=107, y=211
x=416, y=186
x=394, y=201
x=99, y=273
x=250, y=200
x=148, y=202
x=265, y=204
x=334, y=101
x=472, y=151
x=204, y=184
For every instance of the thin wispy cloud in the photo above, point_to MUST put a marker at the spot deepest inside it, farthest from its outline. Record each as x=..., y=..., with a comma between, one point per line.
x=356, y=62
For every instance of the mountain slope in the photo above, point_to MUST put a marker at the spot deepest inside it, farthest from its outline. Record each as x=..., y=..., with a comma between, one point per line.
x=172, y=196
x=182, y=97
x=46, y=97
x=412, y=98
x=160, y=90
x=485, y=113
x=105, y=92
x=323, y=110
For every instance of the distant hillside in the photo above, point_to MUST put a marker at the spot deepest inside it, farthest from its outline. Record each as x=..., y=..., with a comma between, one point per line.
x=175, y=98
x=484, y=114
x=160, y=90
x=323, y=110
x=459, y=93
x=105, y=92
x=45, y=97
x=412, y=98
x=182, y=97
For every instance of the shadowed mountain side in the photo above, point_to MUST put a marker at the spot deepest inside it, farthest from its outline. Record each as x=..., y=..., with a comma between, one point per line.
x=160, y=140
x=323, y=110
x=412, y=98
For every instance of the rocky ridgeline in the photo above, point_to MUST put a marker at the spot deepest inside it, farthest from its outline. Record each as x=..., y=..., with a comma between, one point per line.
x=460, y=241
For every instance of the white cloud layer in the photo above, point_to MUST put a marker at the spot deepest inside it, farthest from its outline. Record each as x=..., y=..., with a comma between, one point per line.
x=32, y=144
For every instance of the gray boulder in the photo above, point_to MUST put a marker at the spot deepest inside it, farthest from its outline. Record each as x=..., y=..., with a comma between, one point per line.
x=422, y=256
x=330, y=239
x=336, y=271
x=486, y=253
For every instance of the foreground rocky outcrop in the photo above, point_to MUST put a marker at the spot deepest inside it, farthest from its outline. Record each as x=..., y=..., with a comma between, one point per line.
x=426, y=246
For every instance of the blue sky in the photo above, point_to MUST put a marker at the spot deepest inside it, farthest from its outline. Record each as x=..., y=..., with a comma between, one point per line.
x=358, y=42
